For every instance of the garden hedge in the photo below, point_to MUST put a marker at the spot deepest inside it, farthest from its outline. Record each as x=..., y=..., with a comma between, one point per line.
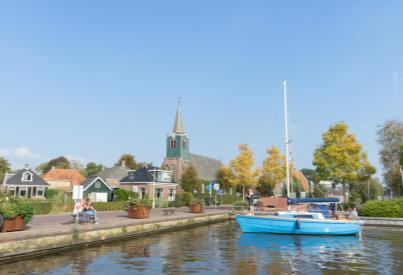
x=109, y=206
x=40, y=207
x=389, y=209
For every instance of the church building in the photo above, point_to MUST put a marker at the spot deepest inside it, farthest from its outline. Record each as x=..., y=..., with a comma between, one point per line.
x=178, y=157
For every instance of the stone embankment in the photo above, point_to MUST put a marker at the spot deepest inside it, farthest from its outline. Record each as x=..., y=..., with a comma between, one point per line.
x=51, y=233
x=387, y=222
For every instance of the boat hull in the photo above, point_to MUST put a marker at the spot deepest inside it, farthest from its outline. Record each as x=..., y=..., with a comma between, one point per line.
x=279, y=225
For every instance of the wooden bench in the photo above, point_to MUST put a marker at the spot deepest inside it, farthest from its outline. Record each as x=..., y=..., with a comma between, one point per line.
x=169, y=211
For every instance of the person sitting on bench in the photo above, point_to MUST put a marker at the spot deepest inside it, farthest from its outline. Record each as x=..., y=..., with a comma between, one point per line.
x=89, y=209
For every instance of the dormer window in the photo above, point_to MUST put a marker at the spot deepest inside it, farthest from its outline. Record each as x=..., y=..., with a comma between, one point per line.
x=27, y=176
x=173, y=143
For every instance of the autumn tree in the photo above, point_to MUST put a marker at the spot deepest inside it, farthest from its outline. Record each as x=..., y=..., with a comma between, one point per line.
x=128, y=160
x=243, y=169
x=91, y=169
x=225, y=177
x=340, y=158
x=273, y=171
x=190, y=180
x=4, y=168
x=390, y=136
x=60, y=162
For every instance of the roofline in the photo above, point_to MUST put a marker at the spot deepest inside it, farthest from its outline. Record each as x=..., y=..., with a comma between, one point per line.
x=92, y=182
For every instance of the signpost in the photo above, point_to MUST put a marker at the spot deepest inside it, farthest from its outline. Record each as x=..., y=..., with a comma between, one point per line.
x=78, y=191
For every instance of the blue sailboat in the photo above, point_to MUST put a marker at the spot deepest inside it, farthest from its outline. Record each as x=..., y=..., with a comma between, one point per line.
x=316, y=221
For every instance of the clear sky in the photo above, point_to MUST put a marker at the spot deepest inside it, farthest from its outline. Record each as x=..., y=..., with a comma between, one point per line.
x=94, y=79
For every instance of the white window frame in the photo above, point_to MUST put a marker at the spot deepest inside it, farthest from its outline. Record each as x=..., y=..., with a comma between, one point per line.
x=24, y=176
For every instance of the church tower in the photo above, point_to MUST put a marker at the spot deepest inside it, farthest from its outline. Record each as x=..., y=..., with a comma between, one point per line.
x=177, y=148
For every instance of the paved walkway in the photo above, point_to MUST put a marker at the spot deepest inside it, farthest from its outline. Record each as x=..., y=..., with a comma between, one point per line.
x=51, y=225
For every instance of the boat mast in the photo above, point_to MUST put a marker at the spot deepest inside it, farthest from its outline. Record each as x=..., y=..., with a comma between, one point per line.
x=287, y=159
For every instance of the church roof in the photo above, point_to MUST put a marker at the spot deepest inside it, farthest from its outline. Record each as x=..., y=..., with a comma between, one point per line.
x=178, y=125
x=206, y=167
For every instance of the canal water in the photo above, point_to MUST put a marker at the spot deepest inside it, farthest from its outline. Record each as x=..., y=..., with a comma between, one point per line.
x=223, y=249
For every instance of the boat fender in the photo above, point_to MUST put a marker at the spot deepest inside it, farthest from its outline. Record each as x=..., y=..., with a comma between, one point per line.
x=298, y=224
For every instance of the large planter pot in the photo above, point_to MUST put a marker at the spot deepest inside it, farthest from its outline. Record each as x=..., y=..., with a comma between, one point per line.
x=15, y=224
x=138, y=212
x=196, y=208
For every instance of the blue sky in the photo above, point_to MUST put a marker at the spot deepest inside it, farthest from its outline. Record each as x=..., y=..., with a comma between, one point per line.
x=95, y=79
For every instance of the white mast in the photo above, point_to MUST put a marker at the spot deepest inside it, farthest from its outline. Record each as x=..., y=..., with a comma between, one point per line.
x=287, y=159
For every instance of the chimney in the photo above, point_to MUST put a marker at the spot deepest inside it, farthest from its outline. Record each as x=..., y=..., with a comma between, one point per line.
x=53, y=168
x=26, y=166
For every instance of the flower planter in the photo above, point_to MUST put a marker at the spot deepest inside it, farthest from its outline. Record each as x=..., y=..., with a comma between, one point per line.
x=15, y=224
x=138, y=212
x=196, y=208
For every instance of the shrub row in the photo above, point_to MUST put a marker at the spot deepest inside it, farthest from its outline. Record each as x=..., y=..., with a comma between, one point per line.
x=390, y=209
x=109, y=206
x=41, y=207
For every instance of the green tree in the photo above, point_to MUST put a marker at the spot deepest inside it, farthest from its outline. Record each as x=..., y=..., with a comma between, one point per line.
x=390, y=136
x=340, y=158
x=243, y=169
x=91, y=169
x=60, y=162
x=4, y=168
x=273, y=171
x=366, y=190
x=225, y=177
x=310, y=175
x=129, y=161
x=190, y=180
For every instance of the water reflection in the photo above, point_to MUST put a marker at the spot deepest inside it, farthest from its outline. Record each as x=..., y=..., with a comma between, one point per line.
x=223, y=249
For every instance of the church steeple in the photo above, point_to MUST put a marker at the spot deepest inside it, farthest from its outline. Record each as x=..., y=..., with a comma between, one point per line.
x=178, y=125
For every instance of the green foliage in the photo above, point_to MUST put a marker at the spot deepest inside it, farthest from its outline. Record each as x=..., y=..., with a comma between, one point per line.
x=4, y=168
x=241, y=204
x=178, y=201
x=187, y=198
x=134, y=200
x=297, y=187
x=224, y=177
x=11, y=207
x=190, y=180
x=122, y=194
x=52, y=193
x=390, y=139
x=129, y=161
x=161, y=203
x=375, y=208
x=91, y=169
x=310, y=175
x=230, y=199
x=265, y=186
x=109, y=206
x=41, y=207
x=60, y=162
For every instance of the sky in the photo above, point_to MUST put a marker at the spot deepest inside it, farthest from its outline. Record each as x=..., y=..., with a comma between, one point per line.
x=92, y=80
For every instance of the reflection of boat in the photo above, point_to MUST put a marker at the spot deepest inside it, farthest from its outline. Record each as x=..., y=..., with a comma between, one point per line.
x=284, y=242
x=315, y=222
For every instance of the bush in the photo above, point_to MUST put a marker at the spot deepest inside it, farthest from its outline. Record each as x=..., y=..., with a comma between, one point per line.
x=41, y=207
x=122, y=195
x=374, y=208
x=229, y=199
x=51, y=193
x=161, y=203
x=241, y=204
x=109, y=206
x=178, y=201
x=187, y=198
x=11, y=207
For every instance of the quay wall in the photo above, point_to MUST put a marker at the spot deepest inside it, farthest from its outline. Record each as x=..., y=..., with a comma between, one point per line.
x=27, y=248
x=387, y=222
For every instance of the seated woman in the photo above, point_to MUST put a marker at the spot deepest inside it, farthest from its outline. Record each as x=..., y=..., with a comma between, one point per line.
x=89, y=209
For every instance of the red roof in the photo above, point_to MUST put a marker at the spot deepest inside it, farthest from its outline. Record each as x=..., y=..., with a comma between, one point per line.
x=304, y=182
x=64, y=174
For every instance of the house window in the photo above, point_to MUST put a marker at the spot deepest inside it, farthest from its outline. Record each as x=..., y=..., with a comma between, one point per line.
x=27, y=176
x=173, y=143
x=158, y=193
x=142, y=193
x=97, y=185
x=39, y=192
x=23, y=192
x=11, y=191
x=171, y=194
x=34, y=191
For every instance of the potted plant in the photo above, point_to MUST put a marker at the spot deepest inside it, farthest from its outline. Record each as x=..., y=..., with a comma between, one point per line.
x=16, y=213
x=197, y=206
x=138, y=208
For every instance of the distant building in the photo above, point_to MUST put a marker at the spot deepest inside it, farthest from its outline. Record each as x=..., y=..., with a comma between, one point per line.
x=24, y=183
x=278, y=189
x=63, y=178
x=146, y=181
x=97, y=189
x=113, y=175
x=178, y=156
